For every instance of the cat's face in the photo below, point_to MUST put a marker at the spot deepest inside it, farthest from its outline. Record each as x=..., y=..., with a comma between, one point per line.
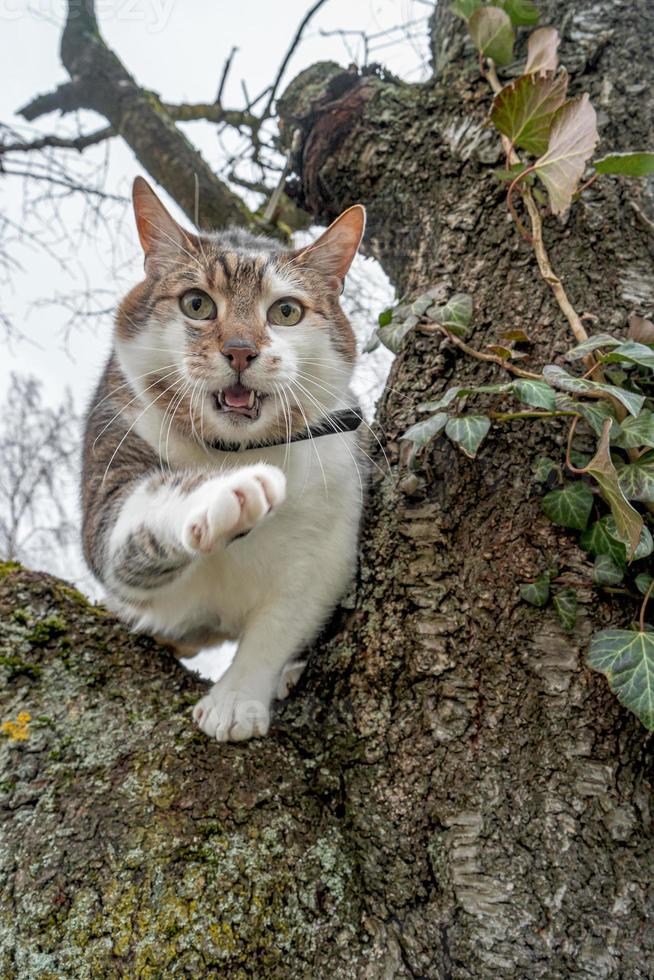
x=231, y=337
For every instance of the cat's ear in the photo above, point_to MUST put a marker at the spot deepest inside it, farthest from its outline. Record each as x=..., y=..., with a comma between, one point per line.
x=333, y=252
x=160, y=235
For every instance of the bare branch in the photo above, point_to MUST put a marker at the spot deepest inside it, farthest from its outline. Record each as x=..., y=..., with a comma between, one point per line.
x=78, y=143
x=287, y=57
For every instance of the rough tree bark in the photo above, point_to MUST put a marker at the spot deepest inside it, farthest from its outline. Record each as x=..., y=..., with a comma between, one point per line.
x=451, y=793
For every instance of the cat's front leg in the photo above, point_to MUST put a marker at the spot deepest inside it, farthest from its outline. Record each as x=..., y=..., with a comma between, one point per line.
x=167, y=522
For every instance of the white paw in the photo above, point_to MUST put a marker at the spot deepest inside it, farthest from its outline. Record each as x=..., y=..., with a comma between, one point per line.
x=231, y=715
x=230, y=505
x=289, y=677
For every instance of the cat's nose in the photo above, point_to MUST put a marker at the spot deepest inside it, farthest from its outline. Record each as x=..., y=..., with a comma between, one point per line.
x=239, y=353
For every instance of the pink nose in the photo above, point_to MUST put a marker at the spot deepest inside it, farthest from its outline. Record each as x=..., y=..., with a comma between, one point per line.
x=239, y=353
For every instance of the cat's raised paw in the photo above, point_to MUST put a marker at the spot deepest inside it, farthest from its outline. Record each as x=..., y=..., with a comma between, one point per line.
x=231, y=505
x=231, y=715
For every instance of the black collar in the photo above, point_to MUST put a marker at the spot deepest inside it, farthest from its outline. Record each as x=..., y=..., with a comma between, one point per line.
x=348, y=420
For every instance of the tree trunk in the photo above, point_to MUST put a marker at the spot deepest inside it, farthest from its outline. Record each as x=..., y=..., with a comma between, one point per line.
x=451, y=793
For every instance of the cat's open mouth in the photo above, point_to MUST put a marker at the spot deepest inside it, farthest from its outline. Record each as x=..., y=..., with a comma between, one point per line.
x=239, y=400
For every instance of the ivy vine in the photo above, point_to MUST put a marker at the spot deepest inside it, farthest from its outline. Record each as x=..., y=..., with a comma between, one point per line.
x=607, y=389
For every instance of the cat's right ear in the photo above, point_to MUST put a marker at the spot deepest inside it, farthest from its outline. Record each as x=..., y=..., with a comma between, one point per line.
x=161, y=237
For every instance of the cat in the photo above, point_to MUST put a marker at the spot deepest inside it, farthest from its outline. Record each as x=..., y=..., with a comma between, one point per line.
x=222, y=477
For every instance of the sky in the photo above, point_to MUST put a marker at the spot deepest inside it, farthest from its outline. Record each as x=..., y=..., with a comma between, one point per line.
x=65, y=258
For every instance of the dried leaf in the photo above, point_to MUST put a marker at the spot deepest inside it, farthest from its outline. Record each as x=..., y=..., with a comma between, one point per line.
x=573, y=139
x=541, y=50
x=628, y=521
x=641, y=329
x=523, y=111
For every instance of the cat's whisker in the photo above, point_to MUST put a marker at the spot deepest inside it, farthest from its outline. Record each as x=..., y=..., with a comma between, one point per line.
x=334, y=394
x=126, y=384
x=313, y=443
x=322, y=409
x=176, y=401
x=178, y=246
x=135, y=398
x=288, y=423
x=137, y=419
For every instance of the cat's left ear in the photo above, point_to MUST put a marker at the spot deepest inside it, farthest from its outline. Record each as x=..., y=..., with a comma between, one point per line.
x=333, y=253
x=162, y=239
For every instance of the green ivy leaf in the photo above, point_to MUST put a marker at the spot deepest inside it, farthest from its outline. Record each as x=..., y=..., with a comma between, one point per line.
x=443, y=402
x=420, y=305
x=490, y=29
x=628, y=521
x=637, y=481
x=456, y=315
x=636, y=432
x=385, y=317
x=606, y=571
x=465, y=8
x=559, y=378
x=422, y=432
x=468, y=432
x=590, y=345
x=523, y=13
x=643, y=582
x=523, y=111
x=628, y=164
x=394, y=333
x=542, y=50
x=599, y=540
x=535, y=393
x=565, y=603
x=536, y=593
x=544, y=468
x=632, y=352
x=596, y=414
x=372, y=343
x=626, y=658
x=573, y=139
x=569, y=507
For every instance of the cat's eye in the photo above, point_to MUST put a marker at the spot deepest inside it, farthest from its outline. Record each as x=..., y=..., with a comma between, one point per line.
x=198, y=305
x=285, y=312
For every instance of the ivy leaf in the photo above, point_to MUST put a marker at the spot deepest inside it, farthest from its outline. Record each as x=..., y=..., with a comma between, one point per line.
x=559, y=378
x=632, y=352
x=598, y=540
x=372, y=343
x=596, y=414
x=422, y=432
x=641, y=329
x=636, y=432
x=628, y=521
x=443, y=402
x=573, y=139
x=523, y=13
x=536, y=593
x=626, y=658
x=628, y=164
x=606, y=571
x=394, y=333
x=464, y=8
x=535, y=393
x=593, y=343
x=643, y=582
x=420, y=306
x=456, y=315
x=541, y=50
x=637, y=481
x=569, y=507
x=516, y=336
x=523, y=111
x=468, y=432
x=544, y=469
x=565, y=603
x=490, y=29
x=385, y=317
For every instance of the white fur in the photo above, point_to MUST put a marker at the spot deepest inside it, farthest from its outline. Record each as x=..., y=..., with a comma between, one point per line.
x=274, y=588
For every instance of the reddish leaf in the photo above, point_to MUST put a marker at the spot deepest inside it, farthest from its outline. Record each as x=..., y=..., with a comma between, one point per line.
x=573, y=138
x=524, y=110
x=641, y=329
x=541, y=50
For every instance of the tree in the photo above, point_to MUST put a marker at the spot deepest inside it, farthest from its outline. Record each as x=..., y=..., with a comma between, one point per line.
x=38, y=447
x=451, y=792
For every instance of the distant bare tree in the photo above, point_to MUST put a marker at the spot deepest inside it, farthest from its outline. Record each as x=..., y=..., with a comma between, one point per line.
x=38, y=448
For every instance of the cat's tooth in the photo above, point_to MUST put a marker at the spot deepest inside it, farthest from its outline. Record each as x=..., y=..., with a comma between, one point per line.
x=251, y=399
